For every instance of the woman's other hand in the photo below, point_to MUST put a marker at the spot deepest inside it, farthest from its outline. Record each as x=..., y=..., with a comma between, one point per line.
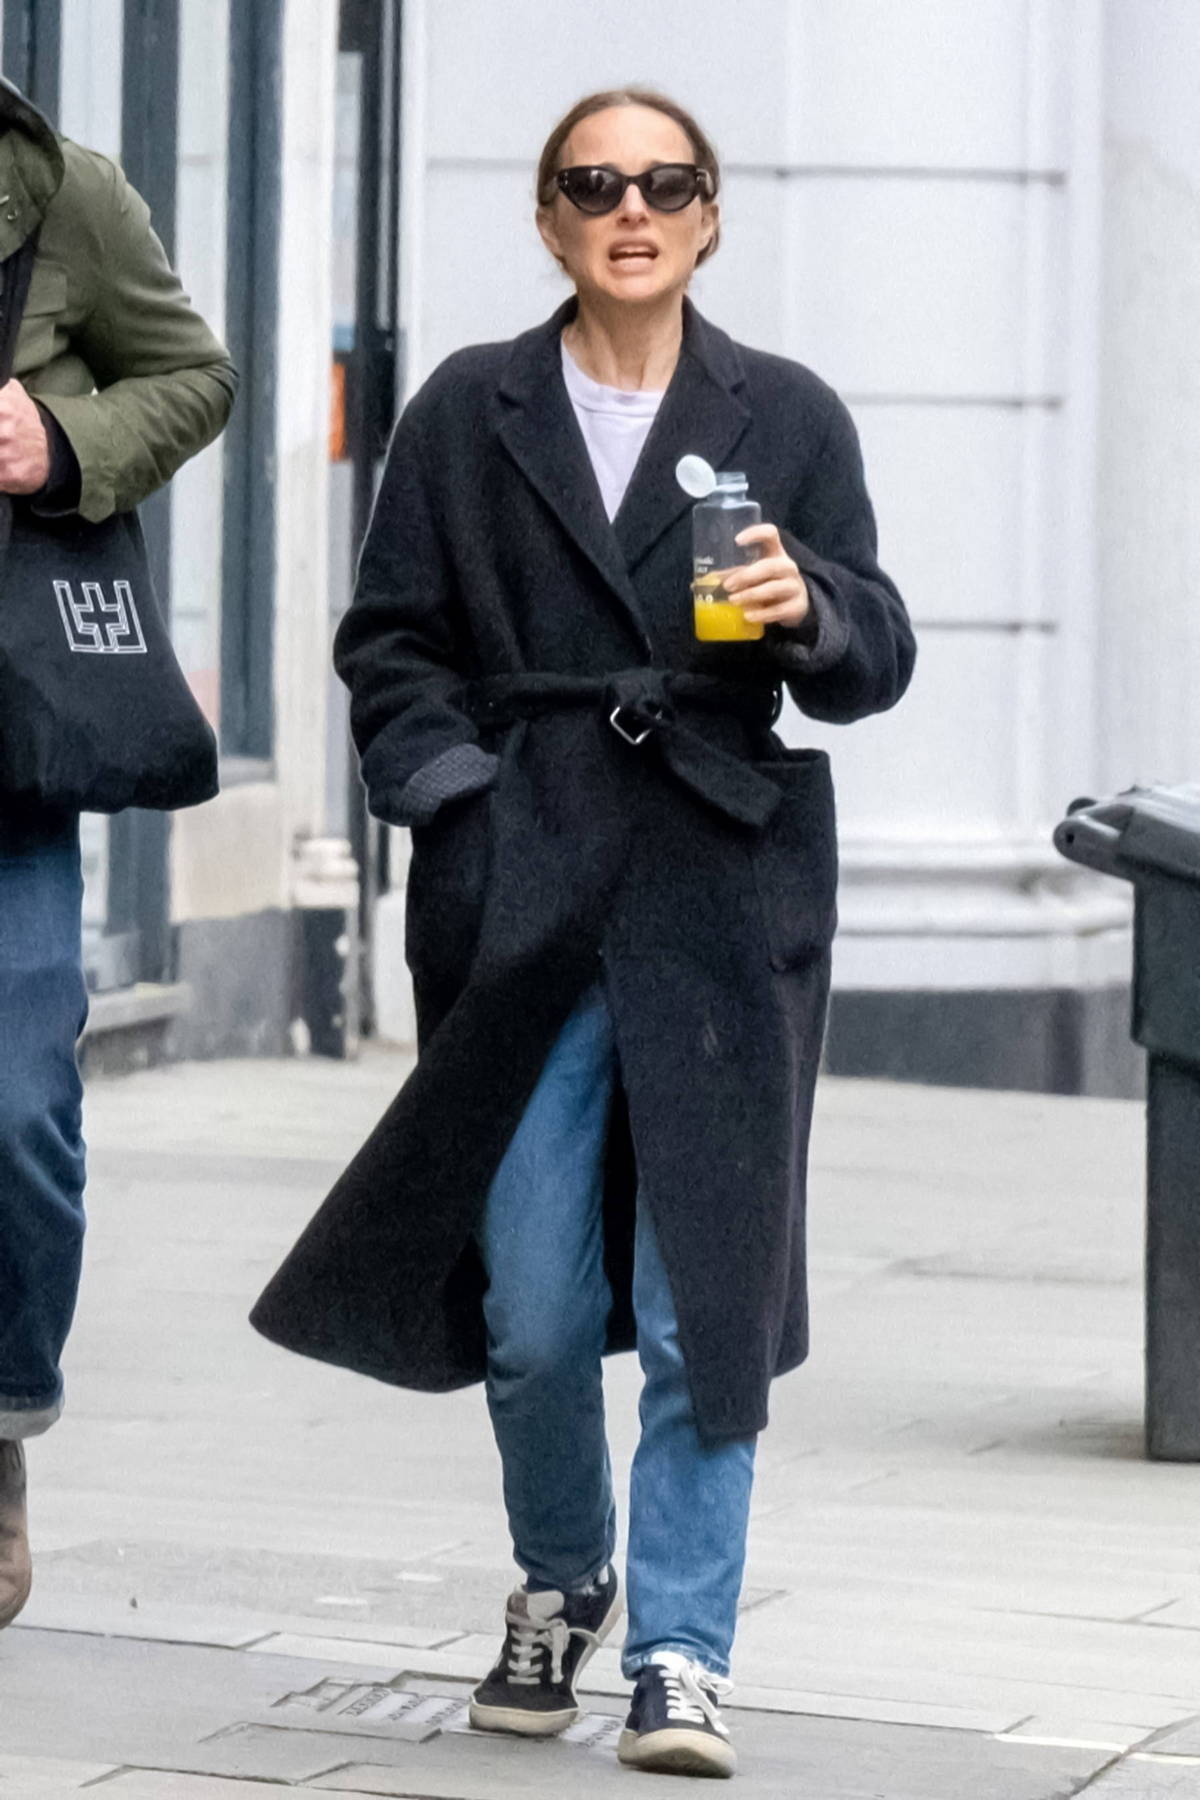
x=772, y=589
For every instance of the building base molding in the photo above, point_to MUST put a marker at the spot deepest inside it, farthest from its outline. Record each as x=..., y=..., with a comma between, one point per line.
x=242, y=973
x=1040, y=1040
x=128, y=1028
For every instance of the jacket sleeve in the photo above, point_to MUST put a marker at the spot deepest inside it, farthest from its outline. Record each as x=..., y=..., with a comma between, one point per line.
x=856, y=656
x=399, y=651
x=64, y=483
x=165, y=384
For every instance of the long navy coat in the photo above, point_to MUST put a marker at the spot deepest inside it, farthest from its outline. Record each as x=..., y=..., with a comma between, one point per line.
x=595, y=795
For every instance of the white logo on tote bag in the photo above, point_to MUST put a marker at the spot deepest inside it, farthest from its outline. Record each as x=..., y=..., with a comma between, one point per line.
x=98, y=626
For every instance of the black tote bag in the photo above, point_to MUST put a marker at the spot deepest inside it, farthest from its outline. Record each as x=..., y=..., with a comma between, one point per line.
x=95, y=712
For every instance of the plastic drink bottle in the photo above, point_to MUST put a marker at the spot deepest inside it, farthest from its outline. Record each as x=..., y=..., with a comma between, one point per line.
x=716, y=522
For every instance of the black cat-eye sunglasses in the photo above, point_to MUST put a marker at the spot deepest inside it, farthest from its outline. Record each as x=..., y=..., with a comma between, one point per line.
x=667, y=187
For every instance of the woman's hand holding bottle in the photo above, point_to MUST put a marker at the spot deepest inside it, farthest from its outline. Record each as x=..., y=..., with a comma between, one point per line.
x=771, y=590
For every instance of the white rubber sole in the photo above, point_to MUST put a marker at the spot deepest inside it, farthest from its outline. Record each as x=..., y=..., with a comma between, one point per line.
x=677, y=1752
x=517, y=1721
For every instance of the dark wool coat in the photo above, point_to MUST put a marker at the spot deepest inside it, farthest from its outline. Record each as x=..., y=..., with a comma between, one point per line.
x=595, y=795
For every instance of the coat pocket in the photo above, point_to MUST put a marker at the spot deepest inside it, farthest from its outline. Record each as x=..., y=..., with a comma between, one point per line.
x=795, y=860
x=447, y=880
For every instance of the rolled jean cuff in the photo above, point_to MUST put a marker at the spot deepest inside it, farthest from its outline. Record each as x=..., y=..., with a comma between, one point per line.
x=27, y=1418
x=632, y=1666
x=535, y=1585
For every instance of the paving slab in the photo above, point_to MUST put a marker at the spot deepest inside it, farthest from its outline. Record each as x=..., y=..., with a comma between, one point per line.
x=1076, y=1728
x=1182, y=1739
x=346, y=1649
x=45, y=1778
x=1149, y=1778
x=153, y=1705
x=1178, y=1614
x=144, y=1784
x=781, y=1759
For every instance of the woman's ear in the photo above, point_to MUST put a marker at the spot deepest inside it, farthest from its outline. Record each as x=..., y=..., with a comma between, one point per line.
x=712, y=220
x=549, y=236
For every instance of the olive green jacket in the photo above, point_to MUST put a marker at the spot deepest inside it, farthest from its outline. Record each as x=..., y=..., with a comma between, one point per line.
x=109, y=343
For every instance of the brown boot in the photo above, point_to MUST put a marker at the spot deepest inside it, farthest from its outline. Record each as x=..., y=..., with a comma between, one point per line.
x=16, y=1572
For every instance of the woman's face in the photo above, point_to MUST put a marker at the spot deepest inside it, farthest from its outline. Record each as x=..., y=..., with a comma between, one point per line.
x=632, y=254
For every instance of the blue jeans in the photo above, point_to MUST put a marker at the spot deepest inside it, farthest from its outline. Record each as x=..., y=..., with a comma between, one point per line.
x=43, y=1004
x=547, y=1308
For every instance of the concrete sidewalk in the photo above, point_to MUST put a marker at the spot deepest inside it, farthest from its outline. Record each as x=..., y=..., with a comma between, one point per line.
x=256, y=1574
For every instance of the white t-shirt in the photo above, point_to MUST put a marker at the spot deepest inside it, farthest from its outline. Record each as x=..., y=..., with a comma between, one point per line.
x=615, y=423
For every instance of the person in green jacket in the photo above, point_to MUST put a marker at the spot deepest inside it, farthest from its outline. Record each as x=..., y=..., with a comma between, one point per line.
x=117, y=381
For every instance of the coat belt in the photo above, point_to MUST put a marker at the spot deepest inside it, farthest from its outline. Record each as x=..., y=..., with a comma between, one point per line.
x=644, y=707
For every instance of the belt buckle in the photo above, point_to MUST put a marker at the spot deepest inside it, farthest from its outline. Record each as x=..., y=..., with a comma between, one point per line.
x=634, y=738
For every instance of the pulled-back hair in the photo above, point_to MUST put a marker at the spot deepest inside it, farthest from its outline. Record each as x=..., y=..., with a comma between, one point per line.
x=702, y=150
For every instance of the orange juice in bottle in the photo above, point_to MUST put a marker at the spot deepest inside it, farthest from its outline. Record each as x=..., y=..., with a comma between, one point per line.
x=716, y=522
x=717, y=619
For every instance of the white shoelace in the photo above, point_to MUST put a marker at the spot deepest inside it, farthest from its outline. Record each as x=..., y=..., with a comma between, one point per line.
x=692, y=1692
x=533, y=1638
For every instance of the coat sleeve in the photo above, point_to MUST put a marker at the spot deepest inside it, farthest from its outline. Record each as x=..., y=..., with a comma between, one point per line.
x=400, y=654
x=164, y=382
x=857, y=655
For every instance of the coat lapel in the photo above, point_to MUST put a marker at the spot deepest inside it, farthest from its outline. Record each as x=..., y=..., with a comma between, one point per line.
x=702, y=414
x=541, y=434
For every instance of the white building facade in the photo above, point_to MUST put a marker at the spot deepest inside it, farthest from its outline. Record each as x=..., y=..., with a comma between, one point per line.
x=980, y=222
x=918, y=203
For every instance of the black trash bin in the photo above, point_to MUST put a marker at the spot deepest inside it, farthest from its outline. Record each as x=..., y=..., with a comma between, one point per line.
x=1151, y=837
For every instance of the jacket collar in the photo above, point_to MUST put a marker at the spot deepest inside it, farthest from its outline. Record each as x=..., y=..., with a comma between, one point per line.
x=702, y=412
x=31, y=167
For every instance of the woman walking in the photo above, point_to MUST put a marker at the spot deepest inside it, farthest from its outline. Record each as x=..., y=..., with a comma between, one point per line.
x=621, y=903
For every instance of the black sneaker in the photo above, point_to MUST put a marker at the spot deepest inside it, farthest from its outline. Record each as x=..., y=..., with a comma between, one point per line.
x=549, y=1638
x=674, y=1727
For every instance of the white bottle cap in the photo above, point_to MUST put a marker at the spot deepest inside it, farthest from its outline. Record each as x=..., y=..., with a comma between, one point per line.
x=695, y=476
